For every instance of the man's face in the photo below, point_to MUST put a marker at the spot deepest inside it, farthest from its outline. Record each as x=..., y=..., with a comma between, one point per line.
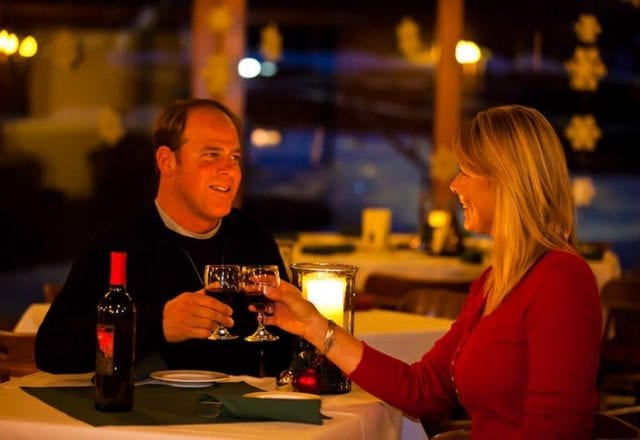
x=206, y=171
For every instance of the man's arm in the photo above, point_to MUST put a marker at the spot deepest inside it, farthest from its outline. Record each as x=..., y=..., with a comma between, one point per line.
x=66, y=338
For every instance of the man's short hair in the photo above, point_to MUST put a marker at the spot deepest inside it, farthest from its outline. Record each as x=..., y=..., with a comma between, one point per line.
x=172, y=121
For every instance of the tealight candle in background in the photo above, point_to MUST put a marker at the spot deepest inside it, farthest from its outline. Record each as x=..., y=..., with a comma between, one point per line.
x=376, y=227
x=439, y=221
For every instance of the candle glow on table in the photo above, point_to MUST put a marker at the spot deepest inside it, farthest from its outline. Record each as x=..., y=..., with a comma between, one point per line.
x=327, y=293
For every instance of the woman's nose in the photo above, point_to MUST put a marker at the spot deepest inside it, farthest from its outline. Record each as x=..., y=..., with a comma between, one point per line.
x=453, y=186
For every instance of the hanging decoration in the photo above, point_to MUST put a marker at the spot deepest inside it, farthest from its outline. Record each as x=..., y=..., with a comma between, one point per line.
x=583, y=191
x=585, y=70
x=444, y=165
x=583, y=132
x=587, y=28
x=216, y=73
x=219, y=19
x=271, y=43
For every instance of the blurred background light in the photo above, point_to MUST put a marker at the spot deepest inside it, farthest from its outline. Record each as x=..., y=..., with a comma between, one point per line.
x=467, y=52
x=248, y=68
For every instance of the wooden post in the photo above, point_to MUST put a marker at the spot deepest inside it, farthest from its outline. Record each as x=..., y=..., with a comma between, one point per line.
x=218, y=30
x=448, y=89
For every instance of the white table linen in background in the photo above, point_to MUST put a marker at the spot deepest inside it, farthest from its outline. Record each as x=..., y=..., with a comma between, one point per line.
x=412, y=264
x=31, y=318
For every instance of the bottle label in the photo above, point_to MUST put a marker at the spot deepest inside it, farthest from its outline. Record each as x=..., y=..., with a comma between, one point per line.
x=104, y=349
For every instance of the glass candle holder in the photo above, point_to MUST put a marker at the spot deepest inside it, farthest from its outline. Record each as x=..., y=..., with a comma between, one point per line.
x=330, y=287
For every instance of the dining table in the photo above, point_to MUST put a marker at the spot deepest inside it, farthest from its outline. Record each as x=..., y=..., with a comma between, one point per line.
x=353, y=415
x=400, y=258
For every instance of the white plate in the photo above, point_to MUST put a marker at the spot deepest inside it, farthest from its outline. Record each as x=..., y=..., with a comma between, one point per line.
x=189, y=378
x=282, y=395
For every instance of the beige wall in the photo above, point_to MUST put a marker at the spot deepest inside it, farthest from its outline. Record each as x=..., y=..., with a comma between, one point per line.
x=67, y=93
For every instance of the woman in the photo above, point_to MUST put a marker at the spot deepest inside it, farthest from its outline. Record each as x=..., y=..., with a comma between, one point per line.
x=522, y=356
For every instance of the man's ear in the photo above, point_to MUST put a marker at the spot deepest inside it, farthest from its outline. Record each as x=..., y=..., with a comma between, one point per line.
x=165, y=160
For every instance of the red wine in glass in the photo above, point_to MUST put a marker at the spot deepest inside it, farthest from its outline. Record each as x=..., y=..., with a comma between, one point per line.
x=258, y=300
x=255, y=280
x=223, y=295
x=222, y=282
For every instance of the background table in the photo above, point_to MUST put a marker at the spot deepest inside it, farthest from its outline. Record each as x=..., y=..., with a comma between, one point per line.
x=32, y=318
x=404, y=336
x=410, y=263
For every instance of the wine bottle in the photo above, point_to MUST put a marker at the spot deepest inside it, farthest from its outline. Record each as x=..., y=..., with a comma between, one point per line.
x=115, y=342
x=454, y=244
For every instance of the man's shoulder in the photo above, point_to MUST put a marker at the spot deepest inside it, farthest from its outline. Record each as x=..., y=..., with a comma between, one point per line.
x=132, y=226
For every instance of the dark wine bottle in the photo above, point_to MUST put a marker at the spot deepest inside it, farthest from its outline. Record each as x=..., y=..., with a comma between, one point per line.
x=454, y=244
x=115, y=342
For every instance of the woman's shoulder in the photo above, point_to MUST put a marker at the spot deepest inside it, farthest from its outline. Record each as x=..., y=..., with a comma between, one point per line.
x=564, y=262
x=566, y=272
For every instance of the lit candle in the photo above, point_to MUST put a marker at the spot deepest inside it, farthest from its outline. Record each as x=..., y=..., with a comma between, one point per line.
x=327, y=293
x=439, y=220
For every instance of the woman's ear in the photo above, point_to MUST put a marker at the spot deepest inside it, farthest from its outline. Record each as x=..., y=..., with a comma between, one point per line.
x=165, y=160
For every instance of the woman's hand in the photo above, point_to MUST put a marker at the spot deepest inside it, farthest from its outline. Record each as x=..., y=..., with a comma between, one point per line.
x=292, y=312
x=298, y=316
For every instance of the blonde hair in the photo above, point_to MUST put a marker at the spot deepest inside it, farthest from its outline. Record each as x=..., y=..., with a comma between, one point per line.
x=517, y=149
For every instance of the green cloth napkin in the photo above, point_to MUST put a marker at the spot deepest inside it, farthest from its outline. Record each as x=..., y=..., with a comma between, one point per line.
x=166, y=405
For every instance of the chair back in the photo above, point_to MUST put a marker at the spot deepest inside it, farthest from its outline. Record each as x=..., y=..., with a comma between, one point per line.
x=387, y=291
x=619, y=369
x=437, y=302
x=607, y=427
x=621, y=335
x=17, y=354
x=456, y=434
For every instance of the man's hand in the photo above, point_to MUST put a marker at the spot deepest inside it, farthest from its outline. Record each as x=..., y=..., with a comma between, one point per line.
x=193, y=315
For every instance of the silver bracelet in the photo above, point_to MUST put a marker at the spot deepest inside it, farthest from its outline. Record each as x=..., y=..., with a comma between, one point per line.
x=328, y=337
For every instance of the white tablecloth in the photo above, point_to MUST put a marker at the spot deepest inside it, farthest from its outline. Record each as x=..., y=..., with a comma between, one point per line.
x=356, y=415
x=404, y=336
x=412, y=264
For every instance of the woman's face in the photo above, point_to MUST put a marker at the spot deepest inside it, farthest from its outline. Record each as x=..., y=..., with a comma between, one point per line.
x=477, y=196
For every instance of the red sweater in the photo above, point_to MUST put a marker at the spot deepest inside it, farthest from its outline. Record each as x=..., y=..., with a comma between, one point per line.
x=526, y=371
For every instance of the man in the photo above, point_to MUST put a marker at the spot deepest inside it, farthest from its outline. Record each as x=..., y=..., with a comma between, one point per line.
x=190, y=224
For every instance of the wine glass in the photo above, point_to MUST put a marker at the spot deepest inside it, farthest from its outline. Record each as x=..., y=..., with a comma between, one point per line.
x=255, y=280
x=222, y=282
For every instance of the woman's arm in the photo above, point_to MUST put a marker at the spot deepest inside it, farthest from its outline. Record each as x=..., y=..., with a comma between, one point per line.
x=418, y=389
x=299, y=317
